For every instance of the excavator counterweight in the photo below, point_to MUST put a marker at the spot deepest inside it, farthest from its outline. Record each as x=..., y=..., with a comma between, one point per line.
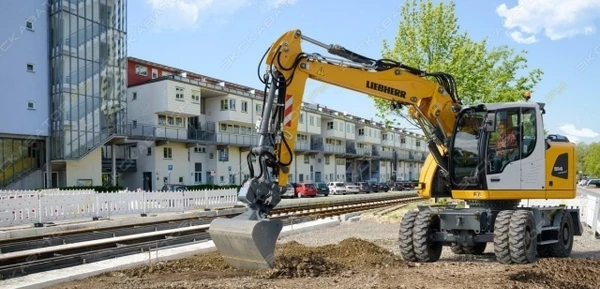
x=492, y=155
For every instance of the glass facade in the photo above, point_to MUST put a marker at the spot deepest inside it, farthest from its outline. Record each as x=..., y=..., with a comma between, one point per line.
x=88, y=72
x=19, y=157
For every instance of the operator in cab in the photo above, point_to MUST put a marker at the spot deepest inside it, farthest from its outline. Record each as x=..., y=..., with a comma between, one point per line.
x=506, y=144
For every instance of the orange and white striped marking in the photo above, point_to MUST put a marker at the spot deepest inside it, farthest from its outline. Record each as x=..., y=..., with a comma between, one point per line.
x=287, y=112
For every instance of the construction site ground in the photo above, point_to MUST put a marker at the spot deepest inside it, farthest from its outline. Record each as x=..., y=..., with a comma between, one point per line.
x=362, y=254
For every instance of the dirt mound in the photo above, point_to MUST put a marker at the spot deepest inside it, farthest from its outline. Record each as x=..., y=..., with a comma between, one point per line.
x=292, y=260
x=558, y=273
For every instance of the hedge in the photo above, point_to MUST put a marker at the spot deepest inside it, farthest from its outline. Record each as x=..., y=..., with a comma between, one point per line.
x=213, y=187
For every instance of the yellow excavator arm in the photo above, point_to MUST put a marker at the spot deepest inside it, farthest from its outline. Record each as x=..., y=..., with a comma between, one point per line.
x=432, y=104
x=248, y=240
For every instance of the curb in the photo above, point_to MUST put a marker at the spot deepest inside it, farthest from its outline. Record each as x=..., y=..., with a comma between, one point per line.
x=54, y=277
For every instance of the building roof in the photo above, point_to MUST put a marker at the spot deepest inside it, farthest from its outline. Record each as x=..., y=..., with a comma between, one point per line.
x=259, y=93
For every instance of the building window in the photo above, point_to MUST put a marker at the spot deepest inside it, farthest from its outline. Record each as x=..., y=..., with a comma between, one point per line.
x=361, y=131
x=232, y=104
x=418, y=143
x=134, y=123
x=224, y=104
x=195, y=96
x=327, y=160
x=134, y=96
x=149, y=151
x=179, y=93
x=311, y=120
x=306, y=159
x=301, y=117
x=167, y=153
x=141, y=70
x=29, y=25
x=31, y=105
x=403, y=140
x=329, y=125
x=154, y=73
x=258, y=109
x=224, y=155
x=30, y=67
x=244, y=106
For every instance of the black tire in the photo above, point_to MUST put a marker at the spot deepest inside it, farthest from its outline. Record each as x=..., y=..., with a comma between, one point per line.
x=501, y=237
x=543, y=251
x=564, y=246
x=477, y=249
x=523, y=237
x=405, y=238
x=426, y=250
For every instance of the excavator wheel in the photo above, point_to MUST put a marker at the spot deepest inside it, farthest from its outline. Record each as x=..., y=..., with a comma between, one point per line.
x=522, y=237
x=477, y=249
x=426, y=250
x=564, y=246
x=405, y=239
x=501, y=237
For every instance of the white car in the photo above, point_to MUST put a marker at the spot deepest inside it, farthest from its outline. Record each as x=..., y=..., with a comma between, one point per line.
x=352, y=189
x=337, y=188
x=290, y=191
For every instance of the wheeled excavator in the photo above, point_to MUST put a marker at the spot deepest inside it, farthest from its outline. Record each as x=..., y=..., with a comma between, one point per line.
x=491, y=155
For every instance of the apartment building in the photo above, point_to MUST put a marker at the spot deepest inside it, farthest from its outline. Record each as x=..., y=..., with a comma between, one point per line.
x=63, y=88
x=187, y=128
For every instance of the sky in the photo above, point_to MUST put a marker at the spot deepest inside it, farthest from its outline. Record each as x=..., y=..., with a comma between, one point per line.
x=226, y=39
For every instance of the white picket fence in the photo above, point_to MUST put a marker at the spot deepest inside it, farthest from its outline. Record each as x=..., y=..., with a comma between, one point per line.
x=588, y=203
x=39, y=207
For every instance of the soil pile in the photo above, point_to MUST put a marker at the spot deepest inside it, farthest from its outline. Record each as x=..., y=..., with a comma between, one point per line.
x=558, y=273
x=296, y=260
x=293, y=260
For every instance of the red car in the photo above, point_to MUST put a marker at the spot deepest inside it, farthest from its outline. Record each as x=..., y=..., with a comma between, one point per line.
x=305, y=190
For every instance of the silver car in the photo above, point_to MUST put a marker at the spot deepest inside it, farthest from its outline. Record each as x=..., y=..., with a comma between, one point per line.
x=290, y=191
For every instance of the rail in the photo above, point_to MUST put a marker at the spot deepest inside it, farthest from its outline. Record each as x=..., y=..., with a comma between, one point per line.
x=87, y=247
x=40, y=207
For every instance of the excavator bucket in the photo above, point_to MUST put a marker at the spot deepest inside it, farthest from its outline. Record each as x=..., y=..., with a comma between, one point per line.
x=245, y=243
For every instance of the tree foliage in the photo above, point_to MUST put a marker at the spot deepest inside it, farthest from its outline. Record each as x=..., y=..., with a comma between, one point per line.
x=429, y=38
x=588, y=158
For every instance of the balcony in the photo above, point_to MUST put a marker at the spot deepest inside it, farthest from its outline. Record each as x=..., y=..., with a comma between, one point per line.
x=122, y=165
x=383, y=154
x=334, y=149
x=363, y=151
x=302, y=146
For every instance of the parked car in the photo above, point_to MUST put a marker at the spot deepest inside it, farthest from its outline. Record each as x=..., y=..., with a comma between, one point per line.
x=363, y=187
x=322, y=189
x=352, y=189
x=337, y=188
x=593, y=182
x=174, y=188
x=305, y=190
x=383, y=187
x=290, y=191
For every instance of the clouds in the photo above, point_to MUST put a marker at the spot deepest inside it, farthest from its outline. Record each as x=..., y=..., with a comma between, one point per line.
x=188, y=14
x=556, y=19
x=574, y=134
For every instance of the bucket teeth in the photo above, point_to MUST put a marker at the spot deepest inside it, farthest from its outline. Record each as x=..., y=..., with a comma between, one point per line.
x=246, y=244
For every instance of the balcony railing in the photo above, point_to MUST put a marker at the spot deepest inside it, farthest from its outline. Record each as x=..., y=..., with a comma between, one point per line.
x=209, y=135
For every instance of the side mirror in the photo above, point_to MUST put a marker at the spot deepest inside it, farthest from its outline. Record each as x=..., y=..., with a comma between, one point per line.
x=490, y=122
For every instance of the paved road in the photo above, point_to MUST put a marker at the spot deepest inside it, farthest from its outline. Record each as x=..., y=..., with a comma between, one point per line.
x=339, y=198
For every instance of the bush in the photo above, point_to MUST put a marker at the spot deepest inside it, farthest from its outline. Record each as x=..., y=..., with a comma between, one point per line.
x=213, y=187
x=98, y=189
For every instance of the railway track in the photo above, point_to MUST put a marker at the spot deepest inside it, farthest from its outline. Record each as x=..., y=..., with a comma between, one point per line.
x=25, y=257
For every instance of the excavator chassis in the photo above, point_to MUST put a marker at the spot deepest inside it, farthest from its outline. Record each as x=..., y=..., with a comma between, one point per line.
x=520, y=234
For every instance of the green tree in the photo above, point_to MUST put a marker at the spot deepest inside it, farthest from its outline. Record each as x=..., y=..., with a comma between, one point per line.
x=591, y=159
x=581, y=150
x=429, y=38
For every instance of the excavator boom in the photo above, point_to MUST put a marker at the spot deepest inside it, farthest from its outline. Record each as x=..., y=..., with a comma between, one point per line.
x=248, y=241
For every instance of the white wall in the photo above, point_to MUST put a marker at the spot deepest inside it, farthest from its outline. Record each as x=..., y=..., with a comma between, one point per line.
x=89, y=167
x=150, y=99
